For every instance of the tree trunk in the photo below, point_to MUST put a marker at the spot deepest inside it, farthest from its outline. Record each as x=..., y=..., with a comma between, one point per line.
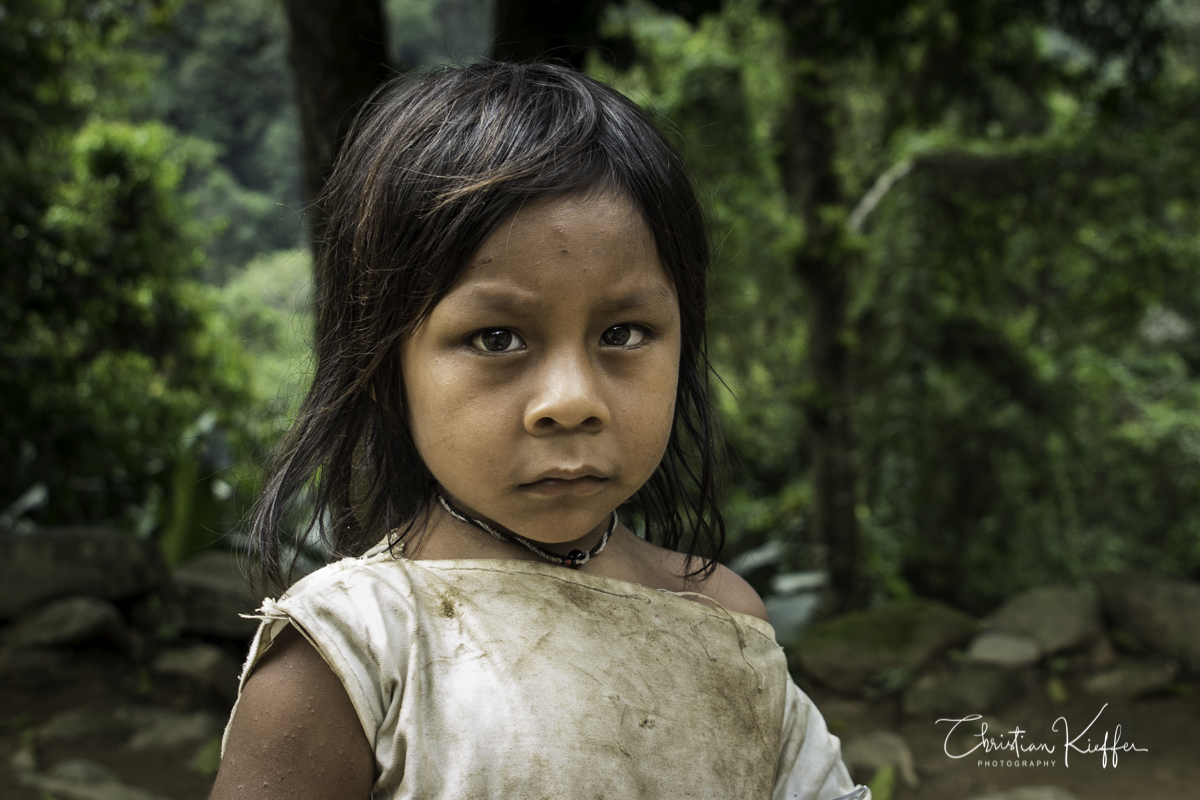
x=816, y=194
x=532, y=29
x=338, y=55
x=536, y=29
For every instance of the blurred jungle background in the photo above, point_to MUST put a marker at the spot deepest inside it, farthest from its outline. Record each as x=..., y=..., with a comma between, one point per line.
x=955, y=311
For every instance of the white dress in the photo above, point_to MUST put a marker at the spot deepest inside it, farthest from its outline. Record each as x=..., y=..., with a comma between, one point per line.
x=515, y=679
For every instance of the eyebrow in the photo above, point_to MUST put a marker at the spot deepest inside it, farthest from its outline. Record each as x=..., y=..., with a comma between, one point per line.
x=639, y=298
x=500, y=300
x=494, y=300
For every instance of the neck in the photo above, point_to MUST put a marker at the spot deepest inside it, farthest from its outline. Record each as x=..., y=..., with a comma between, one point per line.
x=568, y=554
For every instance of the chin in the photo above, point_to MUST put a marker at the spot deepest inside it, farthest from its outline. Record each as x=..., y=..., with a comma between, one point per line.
x=561, y=522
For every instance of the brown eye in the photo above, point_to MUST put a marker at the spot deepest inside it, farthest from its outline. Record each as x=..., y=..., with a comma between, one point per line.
x=498, y=340
x=623, y=336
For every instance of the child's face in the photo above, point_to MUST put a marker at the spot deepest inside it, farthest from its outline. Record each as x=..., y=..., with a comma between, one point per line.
x=541, y=388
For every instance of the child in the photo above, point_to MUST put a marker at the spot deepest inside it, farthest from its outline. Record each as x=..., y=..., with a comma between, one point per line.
x=510, y=370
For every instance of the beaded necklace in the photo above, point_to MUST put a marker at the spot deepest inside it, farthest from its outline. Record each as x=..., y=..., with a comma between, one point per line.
x=574, y=559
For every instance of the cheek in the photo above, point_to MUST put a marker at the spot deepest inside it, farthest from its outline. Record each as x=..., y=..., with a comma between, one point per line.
x=431, y=415
x=658, y=435
x=667, y=419
x=425, y=407
x=454, y=421
x=654, y=415
x=423, y=415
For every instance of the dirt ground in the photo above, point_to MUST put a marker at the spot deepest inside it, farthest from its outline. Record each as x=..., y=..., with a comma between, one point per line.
x=1165, y=727
x=101, y=680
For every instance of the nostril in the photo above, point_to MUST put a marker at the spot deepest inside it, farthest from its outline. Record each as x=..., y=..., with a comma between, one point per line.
x=546, y=423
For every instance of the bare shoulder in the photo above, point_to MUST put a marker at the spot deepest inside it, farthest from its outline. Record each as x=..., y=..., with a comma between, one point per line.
x=723, y=586
x=295, y=733
x=730, y=590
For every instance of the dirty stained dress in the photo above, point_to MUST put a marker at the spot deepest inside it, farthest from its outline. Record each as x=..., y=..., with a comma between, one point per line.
x=513, y=679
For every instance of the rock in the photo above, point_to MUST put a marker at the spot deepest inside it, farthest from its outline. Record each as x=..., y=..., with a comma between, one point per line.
x=213, y=591
x=1101, y=654
x=77, y=779
x=82, y=771
x=1028, y=793
x=70, y=621
x=975, y=690
x=1162, y=613
x=1130, y=678
x=867, y=754
x=31, y=669
x=879, y=648
x=82, y=723
x=24, y=759
x=1056, y=617
x=60, y=562
x=159, y=613
x=156, y=728
x=148, y=727
x=1007, y=650
x=205, y=664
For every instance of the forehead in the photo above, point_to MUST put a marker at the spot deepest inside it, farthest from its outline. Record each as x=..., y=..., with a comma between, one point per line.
x=581, y=219
x=595, y=245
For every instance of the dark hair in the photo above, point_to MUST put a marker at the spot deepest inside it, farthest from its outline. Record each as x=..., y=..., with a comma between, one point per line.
x=432, y=167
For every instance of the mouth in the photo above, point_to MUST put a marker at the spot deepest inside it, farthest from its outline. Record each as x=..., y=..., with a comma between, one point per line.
x=558, y=482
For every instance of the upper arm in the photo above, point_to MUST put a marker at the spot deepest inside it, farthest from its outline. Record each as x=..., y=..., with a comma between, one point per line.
x=295, y=733
x=730, y=590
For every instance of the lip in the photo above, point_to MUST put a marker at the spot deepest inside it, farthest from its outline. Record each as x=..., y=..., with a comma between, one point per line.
x=569, y=474
x=558, y=482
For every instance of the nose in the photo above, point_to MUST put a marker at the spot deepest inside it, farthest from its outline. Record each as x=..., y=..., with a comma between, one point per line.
x=568, y=396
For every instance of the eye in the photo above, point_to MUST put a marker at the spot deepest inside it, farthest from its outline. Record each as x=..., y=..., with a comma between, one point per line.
x=624, y=336
x=497, y=340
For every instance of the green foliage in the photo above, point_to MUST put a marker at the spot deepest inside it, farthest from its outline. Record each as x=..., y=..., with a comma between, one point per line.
x=110, y=349
x=217, y=465
x=220, y=76
x=1025, y=299
x=1031, y=409
x=116, y=350
x=207, y=759
x=145, y=150
x=268, y=303
x=718, y=87
x=883, y=783
x=1027, y=368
